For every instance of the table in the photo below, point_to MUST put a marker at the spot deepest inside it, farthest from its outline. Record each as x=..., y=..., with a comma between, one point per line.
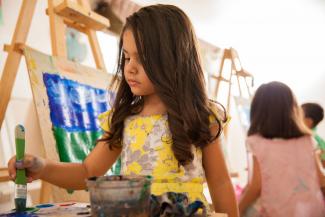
x=66, y=209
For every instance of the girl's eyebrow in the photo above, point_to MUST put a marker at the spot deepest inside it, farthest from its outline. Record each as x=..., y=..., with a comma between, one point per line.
x=125, y=51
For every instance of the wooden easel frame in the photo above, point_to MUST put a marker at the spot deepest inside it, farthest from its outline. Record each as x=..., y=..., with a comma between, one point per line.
x=4, y=177
x=62, y=13
x=236, y=70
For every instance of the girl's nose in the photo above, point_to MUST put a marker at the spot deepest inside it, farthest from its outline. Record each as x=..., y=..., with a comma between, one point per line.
x=131, y=68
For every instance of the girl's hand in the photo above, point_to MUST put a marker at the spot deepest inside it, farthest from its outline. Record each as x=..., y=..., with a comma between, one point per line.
x=34, y=167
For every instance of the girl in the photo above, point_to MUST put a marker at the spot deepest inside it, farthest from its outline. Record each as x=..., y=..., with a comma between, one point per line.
x=162, y=123
x=284, y=179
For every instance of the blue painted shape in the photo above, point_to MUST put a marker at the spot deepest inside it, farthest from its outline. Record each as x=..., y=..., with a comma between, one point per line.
x=75, y=106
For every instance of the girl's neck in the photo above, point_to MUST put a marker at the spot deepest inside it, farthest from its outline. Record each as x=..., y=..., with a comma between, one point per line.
x=153, y=106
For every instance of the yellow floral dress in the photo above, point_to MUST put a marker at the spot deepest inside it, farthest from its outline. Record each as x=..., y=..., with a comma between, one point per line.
x=147, y=151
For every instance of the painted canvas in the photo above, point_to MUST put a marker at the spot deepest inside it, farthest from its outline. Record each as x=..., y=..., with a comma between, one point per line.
x=74, y=108
x=76, y=48
x=243, y=109
x=68, y=98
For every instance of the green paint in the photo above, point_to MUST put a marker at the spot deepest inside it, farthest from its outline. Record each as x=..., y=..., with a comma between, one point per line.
x=146, y=187
x=74, y=147
x=32, y=209
x=116, y=168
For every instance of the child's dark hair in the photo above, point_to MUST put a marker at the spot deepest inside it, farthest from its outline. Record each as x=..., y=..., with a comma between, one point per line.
x=167, y=49
x=313, y=111
x=275, y=113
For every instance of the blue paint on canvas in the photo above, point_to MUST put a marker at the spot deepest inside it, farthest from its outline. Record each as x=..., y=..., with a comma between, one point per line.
x=75, y=106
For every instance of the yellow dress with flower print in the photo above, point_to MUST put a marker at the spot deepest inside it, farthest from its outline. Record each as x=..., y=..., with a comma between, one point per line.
x=147, y=151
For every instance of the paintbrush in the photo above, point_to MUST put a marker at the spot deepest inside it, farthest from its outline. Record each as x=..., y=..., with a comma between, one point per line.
x=20, y=181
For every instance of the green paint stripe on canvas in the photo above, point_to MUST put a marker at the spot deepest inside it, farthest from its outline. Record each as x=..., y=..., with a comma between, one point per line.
x=74, y=147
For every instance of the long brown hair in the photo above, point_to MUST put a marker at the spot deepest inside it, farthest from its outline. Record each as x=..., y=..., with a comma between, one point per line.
x=275, y=113
x=167, y=48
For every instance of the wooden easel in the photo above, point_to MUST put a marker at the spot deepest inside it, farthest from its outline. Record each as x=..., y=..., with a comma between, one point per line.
x=4, y=177
x=237, y=71
x=62, y=13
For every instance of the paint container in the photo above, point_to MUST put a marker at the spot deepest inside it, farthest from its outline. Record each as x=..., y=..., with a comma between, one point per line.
x=120, y=196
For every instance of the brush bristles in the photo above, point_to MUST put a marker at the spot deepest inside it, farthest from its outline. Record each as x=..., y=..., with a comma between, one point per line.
x=20, y=132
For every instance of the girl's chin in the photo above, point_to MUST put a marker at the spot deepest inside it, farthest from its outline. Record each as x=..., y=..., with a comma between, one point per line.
x=136, y=93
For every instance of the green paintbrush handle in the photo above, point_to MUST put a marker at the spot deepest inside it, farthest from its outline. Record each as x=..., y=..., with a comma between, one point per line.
x=20, y=153
x=21, y=182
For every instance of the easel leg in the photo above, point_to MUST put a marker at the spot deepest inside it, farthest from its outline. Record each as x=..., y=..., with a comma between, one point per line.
x=96, y=50
x=45, y=193
x=13, y=60
x=58, y=31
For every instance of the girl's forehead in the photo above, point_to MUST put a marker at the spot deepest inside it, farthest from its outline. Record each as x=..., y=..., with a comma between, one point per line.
x=129, y=44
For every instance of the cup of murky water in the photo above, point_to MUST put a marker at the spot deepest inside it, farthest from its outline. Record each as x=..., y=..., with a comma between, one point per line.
x=120, y=196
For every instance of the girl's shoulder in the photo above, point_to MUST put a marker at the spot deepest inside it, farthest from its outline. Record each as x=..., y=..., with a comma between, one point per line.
x=254, y=138
x=105, y=120
x=218, y=114
x=257, y=139
x=106, y=117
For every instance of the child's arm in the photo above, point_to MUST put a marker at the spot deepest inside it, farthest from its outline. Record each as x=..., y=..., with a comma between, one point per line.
x=253, y=188
x=218, y=179
x=73, y=175
x=69, y=175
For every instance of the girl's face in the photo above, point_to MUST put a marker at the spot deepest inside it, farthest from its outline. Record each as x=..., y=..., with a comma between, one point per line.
x=134, y=72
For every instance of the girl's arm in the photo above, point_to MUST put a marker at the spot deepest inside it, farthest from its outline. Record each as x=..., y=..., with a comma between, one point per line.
x=218, y=179
x=66, y=175
x=253, y=188
x=73, y=175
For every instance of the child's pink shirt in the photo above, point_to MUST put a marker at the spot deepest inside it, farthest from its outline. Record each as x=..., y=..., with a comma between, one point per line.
x=290, y=184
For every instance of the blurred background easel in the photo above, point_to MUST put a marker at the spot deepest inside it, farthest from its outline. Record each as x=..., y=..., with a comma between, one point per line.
x=226, y=76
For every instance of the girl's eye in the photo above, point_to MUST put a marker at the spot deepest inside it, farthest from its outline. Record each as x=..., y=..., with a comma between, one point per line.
x=127, y=59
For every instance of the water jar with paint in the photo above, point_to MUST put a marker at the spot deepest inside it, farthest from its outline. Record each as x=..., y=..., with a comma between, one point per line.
x=120, y=196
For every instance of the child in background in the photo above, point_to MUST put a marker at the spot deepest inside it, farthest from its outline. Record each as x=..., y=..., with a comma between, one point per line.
x=162, y=123
x=284, y=171
x=313, y=115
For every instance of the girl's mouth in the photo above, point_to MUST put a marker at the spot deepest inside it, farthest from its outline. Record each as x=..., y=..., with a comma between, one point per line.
x=133, y=83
